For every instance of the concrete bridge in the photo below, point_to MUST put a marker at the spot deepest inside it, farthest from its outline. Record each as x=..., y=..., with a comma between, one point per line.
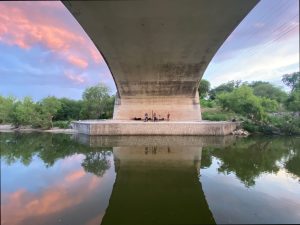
x=157, y=52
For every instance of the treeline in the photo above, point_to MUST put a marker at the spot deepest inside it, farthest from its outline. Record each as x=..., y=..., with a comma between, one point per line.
x=262, y=106
x=96, y=103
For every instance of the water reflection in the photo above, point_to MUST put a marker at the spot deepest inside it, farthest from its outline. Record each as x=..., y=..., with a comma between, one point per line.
x=50, y=179
x=63, y=179
x=251, y=157
x=157, y=185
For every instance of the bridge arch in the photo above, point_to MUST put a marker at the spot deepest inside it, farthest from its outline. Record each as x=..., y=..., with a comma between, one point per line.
x=157, y=51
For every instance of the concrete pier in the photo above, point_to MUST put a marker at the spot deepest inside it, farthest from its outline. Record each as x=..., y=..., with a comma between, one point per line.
x=126, y=127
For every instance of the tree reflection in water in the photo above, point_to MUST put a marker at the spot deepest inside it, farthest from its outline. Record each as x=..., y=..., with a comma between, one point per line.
x=159, y=176
x=50, y=148
x=249, y=157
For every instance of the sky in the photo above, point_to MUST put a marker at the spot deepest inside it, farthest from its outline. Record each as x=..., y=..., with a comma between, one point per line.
x=45, y=52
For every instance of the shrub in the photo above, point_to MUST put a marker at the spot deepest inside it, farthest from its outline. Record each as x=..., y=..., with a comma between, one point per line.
x=61, y=124
x=207, y=103
x=218, y=116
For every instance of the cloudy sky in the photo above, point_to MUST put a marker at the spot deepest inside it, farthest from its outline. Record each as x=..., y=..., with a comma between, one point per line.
x=44, y=51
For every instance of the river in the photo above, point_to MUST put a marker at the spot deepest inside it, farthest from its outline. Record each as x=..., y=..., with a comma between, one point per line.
x=77, y=179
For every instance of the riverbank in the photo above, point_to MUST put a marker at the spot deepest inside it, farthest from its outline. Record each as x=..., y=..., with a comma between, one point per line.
x=10, y=128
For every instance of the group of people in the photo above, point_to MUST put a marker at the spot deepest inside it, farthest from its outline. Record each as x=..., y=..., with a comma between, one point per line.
x=154, y=118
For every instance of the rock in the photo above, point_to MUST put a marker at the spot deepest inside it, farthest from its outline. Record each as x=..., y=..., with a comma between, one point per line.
x=240, y=132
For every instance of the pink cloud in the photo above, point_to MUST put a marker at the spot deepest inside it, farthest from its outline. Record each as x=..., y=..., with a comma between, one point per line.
x=78, y=61
x=25, y=24
x=76, y=78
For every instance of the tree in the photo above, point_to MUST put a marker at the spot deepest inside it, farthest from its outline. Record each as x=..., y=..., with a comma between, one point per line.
x=267, y=90
x=96, y=101
x=6, y=109
x=24, y=112
x=292, y=80
x=70, y=109
x=269, y=105
x=48, y=108
x=204, y=88
x=293, y=101
x=242, y=100
x=227, y=87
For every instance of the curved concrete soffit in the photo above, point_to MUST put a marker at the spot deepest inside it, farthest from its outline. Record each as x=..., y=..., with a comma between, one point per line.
x=173, y=57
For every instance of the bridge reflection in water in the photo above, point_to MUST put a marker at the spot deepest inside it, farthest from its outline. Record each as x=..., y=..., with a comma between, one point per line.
x=157, y=179
x=63, y=179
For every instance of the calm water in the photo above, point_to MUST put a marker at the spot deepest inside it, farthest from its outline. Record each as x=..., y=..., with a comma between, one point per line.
x=65, y=179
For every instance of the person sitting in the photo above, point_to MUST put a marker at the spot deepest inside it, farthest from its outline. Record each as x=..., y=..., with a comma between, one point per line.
x=146, y=117
x=154, y=117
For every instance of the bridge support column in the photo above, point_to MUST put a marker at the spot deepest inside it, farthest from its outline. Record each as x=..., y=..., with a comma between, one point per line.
x=180, y=108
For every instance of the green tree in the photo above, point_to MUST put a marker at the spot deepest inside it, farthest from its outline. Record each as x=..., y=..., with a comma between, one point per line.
x=70, y=109
x=292, y=80
x=6, y=109
x=96, y=101
x=204, y=88
x=269, y=105
x=227, y=87
x=293, y=101
x=24, y=112
x=267, y=90
x=48, y=107
x=242, y=101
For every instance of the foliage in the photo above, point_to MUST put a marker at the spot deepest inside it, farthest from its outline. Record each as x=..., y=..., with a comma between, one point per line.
x=242, y=101
x=269, y=105
x=6, y=108
x=204, y=88
x=218, y=116
x=207, y=103
x=292, y=80
x=97, y=103
x=268, y=90
x=24, y=112
x=287, y=124
x=70, y=109
x=227, y=87
x=293, y=101
x=61, y=124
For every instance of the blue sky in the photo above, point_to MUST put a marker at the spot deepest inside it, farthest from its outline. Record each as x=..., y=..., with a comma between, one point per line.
x=44, y=51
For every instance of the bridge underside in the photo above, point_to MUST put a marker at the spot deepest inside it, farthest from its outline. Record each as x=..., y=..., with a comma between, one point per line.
x=157, y=51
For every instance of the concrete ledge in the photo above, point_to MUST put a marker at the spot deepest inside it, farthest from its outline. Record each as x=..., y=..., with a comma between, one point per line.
x=120, y=127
